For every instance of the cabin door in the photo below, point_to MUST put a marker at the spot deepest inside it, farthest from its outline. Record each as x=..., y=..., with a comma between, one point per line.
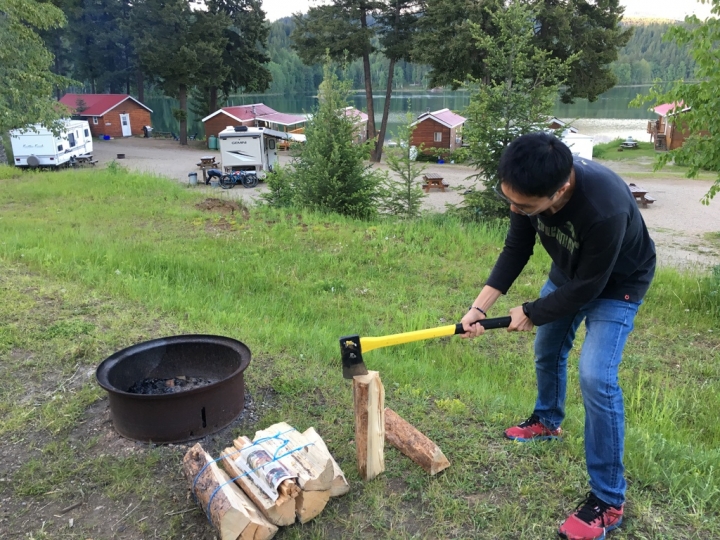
x=125, y=123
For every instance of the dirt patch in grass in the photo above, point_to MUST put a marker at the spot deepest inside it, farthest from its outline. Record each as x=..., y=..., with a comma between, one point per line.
x=221, y=206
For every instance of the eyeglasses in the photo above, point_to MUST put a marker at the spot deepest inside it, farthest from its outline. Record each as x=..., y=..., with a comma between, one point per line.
x=519, y=207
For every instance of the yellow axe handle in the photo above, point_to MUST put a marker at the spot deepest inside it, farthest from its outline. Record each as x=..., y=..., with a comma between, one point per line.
x=370, y=343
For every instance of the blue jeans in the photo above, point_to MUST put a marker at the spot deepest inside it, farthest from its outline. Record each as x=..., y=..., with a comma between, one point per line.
x=608, y=324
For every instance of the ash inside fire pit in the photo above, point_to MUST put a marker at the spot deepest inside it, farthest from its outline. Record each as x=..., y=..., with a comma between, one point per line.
x=176, y=388
x=168, y=386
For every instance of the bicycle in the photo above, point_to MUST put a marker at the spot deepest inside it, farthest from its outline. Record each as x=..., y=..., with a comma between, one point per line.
x=246, y=178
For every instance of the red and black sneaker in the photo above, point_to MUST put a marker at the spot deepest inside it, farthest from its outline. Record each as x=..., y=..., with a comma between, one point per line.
x=532, y=430
x=592, y=520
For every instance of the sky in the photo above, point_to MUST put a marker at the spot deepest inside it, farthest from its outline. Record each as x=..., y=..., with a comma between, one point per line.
x=661, y=9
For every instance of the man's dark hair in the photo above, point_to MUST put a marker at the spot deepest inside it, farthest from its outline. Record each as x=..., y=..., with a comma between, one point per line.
x=536, y=164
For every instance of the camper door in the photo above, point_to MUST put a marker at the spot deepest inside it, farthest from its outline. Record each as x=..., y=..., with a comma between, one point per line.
x=271, y=152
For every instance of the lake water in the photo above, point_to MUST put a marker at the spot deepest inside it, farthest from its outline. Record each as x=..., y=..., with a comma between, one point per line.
x=607, y=117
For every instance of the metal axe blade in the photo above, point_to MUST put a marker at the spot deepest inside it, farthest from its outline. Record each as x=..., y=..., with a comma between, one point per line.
x=352, y=360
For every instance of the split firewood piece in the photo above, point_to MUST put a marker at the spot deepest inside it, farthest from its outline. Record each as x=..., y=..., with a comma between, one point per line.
x=312, y=465
x=280, y=512
x=369, y=402
x=310, y=503
x=340, y=484
x=405, y=437
x=231, y=512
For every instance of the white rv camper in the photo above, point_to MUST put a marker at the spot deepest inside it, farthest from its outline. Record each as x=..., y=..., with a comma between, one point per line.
x=580, y=145
x=40, y=148
x=245, y=148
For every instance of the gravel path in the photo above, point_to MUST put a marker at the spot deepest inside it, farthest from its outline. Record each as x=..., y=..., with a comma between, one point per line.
x=677, y=221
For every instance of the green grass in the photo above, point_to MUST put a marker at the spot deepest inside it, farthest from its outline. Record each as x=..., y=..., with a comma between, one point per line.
x=612, y=151
x=93, y=261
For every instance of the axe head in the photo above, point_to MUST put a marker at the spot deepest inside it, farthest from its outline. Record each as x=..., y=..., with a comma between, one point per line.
x=352, y=360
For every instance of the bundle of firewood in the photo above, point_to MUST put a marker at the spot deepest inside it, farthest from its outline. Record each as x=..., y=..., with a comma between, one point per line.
x=261, y=484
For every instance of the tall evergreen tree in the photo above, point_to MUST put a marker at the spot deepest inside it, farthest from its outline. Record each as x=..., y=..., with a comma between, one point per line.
x=26, y=93
x=587, y=31
x=524, y=82
x=168, y=49
x=343, y=29
x=244, y=58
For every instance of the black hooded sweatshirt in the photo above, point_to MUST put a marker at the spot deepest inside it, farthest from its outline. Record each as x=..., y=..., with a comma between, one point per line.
x=598, y=243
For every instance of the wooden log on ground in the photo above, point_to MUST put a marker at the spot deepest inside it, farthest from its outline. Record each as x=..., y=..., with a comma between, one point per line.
x=231, y=512
x=405, y=437
x=280, y=512
x=313, y=465
x=340, y=484
x=310, y=503
x=369, y=400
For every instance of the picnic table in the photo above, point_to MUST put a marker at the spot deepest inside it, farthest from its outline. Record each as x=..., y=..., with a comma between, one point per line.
x=434, y=180
x=629, y=143
x=641, y=195
x=207, y=161
x=85, y=159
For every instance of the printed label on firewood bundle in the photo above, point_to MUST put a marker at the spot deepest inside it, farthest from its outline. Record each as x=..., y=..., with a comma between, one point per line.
x=263, y=470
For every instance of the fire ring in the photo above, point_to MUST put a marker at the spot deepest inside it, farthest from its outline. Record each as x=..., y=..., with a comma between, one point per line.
x=184, y=415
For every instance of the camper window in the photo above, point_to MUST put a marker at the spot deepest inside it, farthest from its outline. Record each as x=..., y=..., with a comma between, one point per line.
x=271, y=144
x=59, y=147
x=86, y=133
x=71, y=139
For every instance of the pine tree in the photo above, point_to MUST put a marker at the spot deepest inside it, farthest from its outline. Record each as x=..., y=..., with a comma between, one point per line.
x=524, y=84
x=26, y=93
x=330, y=174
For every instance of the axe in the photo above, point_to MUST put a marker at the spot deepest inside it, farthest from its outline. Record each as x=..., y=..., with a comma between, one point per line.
x=352, y=347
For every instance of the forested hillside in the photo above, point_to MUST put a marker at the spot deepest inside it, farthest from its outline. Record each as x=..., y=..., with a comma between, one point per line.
x=645, y=58
x=290, y=75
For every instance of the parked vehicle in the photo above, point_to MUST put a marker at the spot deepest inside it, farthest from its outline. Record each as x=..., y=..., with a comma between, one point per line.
x=37, y=146
x=252, y=149
x=247, y=178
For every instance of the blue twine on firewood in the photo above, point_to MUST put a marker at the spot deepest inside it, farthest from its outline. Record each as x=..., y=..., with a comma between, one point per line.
x=275, y=458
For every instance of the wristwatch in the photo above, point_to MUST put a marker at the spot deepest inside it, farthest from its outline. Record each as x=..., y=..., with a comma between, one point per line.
x=525, y=309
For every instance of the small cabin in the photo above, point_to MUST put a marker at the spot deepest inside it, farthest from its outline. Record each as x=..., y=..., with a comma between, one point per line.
x=667, y=132
x=555, y=123
x=116, y=115
x=438, y=129
x=360, y=119
x=254, y=115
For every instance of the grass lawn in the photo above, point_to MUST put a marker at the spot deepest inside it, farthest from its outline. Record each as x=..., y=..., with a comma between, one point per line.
x=612, y=151
x=94, y=261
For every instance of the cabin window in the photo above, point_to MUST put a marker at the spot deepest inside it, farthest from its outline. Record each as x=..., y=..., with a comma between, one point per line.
x=71, y=139
x=271, y=144
x=438, y=136
x=86, y=133
x=95, y=120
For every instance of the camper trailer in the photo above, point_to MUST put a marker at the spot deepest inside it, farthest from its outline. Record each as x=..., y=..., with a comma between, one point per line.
x=245, y=148
x=37, y=146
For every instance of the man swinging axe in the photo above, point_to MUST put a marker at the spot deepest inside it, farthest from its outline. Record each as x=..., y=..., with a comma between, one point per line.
x=603, y=261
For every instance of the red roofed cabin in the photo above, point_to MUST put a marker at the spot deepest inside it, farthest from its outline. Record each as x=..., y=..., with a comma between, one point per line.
x=255, y=115
x=666, y=132
x=116, y=115
x=439, y=129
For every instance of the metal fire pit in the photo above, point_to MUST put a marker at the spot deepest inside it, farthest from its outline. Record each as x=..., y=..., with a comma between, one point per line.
x=181, y=416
